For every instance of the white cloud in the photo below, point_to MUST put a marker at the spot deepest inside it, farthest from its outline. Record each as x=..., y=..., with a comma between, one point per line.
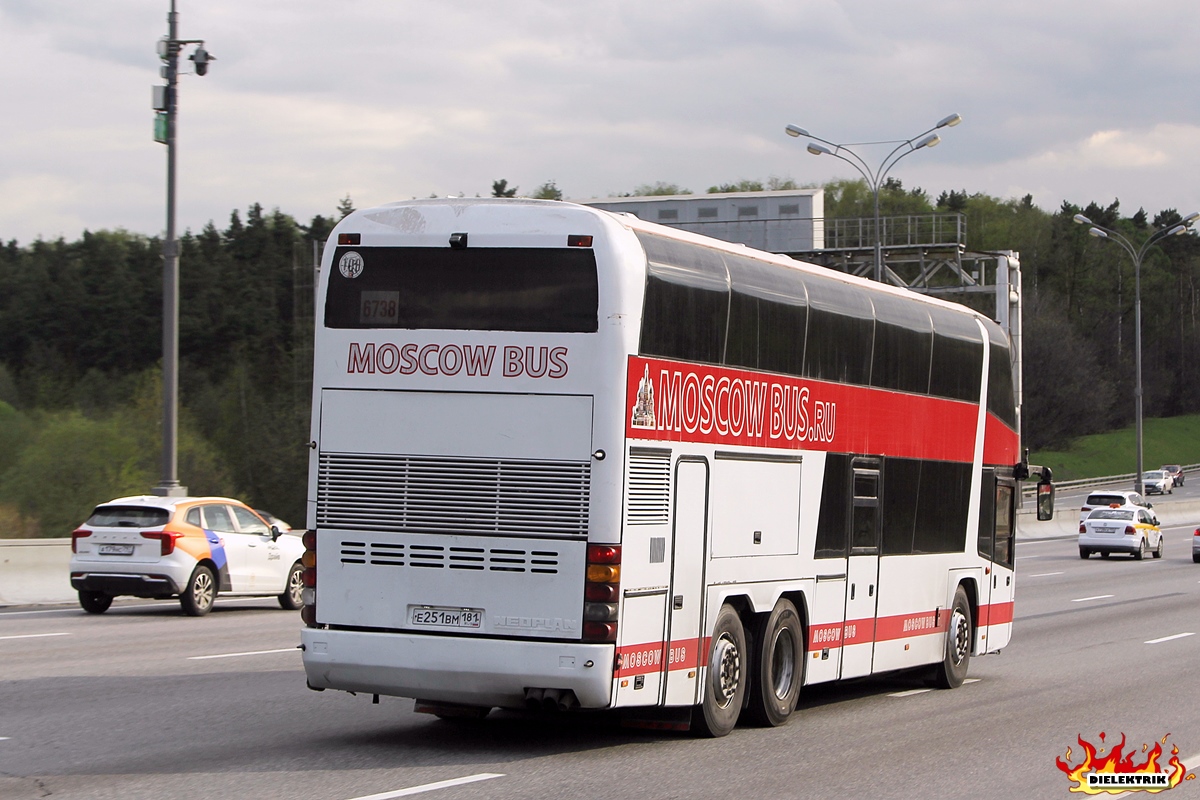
x=386, y=100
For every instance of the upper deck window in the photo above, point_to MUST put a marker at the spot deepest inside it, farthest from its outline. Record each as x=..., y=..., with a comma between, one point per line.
x=482, y=288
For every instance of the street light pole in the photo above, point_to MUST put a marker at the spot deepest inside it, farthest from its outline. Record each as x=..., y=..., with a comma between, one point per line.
x=874, y=177
x=1137, y=254
x=167, y=105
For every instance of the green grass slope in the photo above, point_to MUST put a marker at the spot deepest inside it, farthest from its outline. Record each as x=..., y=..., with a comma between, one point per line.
x=1175, y=440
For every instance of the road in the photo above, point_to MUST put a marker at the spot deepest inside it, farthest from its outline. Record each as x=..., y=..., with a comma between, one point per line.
x=144, y=703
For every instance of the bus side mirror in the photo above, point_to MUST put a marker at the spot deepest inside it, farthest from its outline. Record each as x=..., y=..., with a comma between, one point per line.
x=1045, y=500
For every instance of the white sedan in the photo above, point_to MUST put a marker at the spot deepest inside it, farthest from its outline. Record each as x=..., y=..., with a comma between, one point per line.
x=1156, y=481
x=1120, y=530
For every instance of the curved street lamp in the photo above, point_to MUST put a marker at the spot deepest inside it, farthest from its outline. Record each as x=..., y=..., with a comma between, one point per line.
x=1137, y=254
x=875, y=177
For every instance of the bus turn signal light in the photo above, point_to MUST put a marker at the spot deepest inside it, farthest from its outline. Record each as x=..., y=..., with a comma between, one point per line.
x=601, y=593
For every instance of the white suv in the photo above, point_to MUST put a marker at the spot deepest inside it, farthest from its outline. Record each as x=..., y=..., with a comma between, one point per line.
x=1109, y=499
x=187, y=547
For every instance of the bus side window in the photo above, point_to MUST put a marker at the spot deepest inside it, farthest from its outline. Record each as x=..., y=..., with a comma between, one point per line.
x=987, y=513
x=1004, y=525
x=834, y=521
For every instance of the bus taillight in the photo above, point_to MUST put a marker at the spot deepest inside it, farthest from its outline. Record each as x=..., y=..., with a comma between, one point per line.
x=309, y=561
x=600, y=592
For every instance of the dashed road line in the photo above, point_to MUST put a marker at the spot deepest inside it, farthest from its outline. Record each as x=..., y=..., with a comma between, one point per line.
x=1094, y=597
x=34, y=635
x=1170, y=638
x=248, y=653
x=911, y=692
x=1044, y=574
x=430, y=787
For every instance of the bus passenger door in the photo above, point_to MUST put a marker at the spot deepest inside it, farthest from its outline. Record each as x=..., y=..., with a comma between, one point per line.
x=862, y=569
x=997, y=530
x=686, y=598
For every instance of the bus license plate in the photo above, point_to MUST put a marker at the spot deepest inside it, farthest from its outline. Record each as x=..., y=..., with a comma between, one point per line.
x=116, y=549
x=438, y=617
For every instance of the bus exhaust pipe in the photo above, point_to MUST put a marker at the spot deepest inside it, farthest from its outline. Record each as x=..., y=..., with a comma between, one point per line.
x=550, y=699
x=567, y=700
x=533, y=697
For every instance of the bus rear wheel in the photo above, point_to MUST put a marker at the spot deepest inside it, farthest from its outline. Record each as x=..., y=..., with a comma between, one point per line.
x=778, y=671
x=724, y=687
x=953, y=669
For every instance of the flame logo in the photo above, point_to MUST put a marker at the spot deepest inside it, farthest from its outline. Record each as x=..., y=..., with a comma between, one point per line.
x=1117, y=761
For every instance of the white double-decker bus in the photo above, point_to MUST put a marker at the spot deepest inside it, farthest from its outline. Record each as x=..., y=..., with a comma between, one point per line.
x=568, y=458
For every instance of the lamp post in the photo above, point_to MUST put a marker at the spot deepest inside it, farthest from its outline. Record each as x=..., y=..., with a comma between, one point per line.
x=874, y=177
x=165, y=102
x=1137, y=254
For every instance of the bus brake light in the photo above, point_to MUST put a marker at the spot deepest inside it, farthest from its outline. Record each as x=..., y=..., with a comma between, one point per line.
x=601, y=592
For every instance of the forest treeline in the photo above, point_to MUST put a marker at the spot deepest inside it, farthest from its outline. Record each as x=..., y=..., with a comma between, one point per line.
x=80, y=345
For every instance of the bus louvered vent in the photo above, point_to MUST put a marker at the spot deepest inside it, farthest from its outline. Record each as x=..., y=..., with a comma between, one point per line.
x=649, y=487
x=481, y=496
x=492, y=559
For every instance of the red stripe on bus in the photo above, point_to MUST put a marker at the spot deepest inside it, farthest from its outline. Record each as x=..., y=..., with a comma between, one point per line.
x=681, y=402
x=649, y=657
x=996, y=614
x=1001, y=445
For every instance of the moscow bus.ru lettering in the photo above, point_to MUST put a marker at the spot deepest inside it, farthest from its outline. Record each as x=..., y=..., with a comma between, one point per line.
x=741, y=408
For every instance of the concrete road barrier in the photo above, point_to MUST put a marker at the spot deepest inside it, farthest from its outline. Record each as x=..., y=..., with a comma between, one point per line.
x=35, y=571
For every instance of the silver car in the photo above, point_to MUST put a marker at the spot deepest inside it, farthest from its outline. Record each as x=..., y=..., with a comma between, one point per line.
x=1156, y=481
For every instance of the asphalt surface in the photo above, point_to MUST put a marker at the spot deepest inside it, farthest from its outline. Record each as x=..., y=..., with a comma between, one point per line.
x=143, y=702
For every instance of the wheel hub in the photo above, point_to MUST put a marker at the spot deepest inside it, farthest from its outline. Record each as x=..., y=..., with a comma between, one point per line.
x=960, y=630
x=728, y=670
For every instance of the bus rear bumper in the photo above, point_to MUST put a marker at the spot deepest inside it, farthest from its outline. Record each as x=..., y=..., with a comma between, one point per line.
x=467, y=671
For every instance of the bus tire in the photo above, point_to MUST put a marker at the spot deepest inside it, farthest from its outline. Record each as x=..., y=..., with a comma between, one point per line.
x=778, y=670
x=953, y=669
x=724, y=687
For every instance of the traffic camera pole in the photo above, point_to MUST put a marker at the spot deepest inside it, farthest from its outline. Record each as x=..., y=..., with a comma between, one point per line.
x=168, y=51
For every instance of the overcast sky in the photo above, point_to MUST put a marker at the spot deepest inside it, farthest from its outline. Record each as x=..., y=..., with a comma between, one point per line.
x=383, y=100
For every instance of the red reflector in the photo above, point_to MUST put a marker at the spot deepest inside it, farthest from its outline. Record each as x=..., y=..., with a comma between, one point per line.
x=599, y=631
x=579, y=240
x=349, y=238
x=310, y=578
x=601, y=592
x=309, y=540
x=603, y=554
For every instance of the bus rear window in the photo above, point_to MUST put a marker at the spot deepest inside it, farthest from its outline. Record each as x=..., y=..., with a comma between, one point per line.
x=488, y=289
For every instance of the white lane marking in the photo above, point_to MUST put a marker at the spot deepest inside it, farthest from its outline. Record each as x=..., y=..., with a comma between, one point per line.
x=3, y=738
x=1169, y=638
x=248, y=653
x=34, y=635
x=1040, y=555
x=429, y=787
x=1045, y=574
x=164, y=604
x=1096, y=597
x=911, y=692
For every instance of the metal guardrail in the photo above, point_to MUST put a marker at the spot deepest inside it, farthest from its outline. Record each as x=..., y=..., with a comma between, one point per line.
x=1031, y=488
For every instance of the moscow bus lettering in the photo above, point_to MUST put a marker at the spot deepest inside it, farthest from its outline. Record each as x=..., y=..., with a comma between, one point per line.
x=615, y=466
